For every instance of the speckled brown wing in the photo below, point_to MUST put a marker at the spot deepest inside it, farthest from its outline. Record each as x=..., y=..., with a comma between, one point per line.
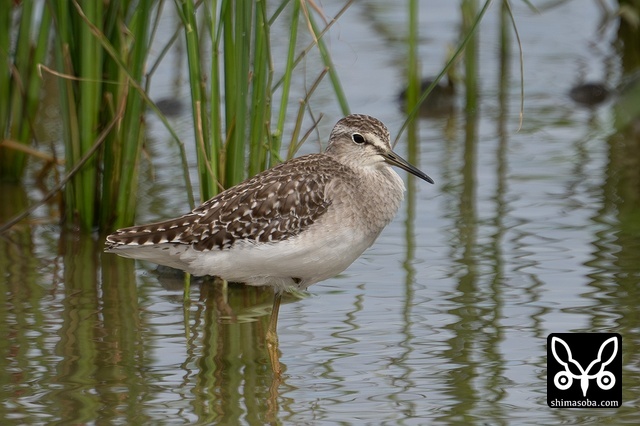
x=272, y=206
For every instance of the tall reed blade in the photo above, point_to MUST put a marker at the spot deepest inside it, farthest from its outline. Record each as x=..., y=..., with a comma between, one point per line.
x=238, y=22
x=262, y=76
x=199, y=104
x=100, y=51
x=100, y=70
x=125, y=145
x=22, y=51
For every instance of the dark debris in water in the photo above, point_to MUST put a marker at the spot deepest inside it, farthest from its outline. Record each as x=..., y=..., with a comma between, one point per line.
x=170, y=107
x=440, y=101
x=590, y=94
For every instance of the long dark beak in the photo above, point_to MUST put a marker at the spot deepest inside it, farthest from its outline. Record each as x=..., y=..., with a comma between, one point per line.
x=395, y=160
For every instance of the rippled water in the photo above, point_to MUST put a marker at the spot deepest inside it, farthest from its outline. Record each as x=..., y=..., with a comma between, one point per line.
x=443, y=321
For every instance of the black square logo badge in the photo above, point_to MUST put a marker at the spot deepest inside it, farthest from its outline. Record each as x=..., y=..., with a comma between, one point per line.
x=584, y=370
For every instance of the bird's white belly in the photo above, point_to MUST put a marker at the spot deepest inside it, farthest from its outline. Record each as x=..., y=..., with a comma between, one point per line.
x=300, y=261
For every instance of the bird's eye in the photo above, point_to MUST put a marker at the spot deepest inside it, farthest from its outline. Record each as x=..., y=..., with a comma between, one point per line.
x=357, y=138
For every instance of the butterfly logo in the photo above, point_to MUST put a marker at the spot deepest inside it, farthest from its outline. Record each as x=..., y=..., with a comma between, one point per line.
x=573, y=370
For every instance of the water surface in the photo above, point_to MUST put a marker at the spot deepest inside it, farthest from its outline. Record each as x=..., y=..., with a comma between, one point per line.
x=444, y=321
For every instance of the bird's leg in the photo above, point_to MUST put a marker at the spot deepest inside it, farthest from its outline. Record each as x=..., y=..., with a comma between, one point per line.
x=272, y=335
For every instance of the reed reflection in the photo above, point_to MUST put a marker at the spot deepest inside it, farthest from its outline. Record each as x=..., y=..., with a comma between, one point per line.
x=234, y=381
x=613, y=285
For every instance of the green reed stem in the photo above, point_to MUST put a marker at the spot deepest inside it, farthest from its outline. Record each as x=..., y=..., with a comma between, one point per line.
x=296, y=141
x=238, y=23
x=102, y=70
x=89, y=70
x=262, y=74
x=242, y=86
x=100, y=51
x=186, y=294
x=470, y=18
x=198, y=101
x=286, y=82
x=20, y=82
x=333, y=74
x=5, y=76
x=468, y=34
x=5, y=84
x=17, y=90
x=413, y=68
x=131, y=133
x=215, y=115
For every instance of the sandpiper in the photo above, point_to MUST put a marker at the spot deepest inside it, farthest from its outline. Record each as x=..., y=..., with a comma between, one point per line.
x=291, y=226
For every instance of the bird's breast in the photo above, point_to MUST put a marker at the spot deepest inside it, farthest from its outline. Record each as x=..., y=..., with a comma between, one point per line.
x=367, y=203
